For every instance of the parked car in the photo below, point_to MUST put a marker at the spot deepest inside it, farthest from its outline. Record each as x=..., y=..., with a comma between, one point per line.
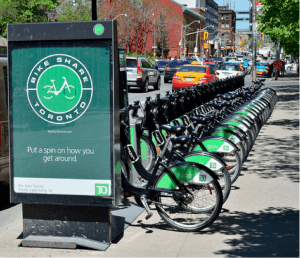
x=262, y=68
x=240, y=58
x=141, y=73
x=228, y=70
x=291, y=66
x=172, y=67
x=192, y=74
x=232, y=58
x=213, y=66
x=160, y=65
x=219, y=60
x=236, y=63
x=208, y=61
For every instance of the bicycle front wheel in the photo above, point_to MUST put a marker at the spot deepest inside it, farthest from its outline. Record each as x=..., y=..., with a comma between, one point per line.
x=147, y=152
x=200, y=212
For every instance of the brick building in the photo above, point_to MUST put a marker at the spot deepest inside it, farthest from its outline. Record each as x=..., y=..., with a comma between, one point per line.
x=227, y=29
x=176, y=41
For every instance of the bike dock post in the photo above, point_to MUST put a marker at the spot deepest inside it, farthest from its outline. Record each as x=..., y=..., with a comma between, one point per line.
x=64, y=133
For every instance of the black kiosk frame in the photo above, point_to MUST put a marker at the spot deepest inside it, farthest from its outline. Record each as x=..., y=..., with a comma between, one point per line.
x=65, y=101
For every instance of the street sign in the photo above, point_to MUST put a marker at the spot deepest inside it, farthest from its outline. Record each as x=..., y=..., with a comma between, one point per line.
x=64, y=114
x=154, y=46
x=206, y=45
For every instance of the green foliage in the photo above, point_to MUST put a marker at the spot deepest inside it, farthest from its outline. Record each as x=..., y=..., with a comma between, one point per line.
x=149, y=56
x=81, y=12
x=249, y=41
x=280, y=19
x=24, y=11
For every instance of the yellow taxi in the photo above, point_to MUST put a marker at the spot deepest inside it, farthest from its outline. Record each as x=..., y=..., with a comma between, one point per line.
x=192, y=74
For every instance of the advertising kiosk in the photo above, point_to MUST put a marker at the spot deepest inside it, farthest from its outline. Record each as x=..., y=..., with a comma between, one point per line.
x=64, y=130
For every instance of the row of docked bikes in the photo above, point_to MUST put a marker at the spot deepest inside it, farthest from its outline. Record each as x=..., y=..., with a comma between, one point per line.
x=189, y=148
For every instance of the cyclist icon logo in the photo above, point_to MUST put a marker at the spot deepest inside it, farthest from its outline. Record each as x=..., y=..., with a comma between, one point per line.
x=52, y=89
x=59, y=89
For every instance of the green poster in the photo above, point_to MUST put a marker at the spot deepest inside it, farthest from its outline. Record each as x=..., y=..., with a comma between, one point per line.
x=62, y=117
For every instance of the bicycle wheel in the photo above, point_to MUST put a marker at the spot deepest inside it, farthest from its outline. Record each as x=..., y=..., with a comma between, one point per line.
x=198, y=211
x=222, y=173
x=147, y=152
x=234, y=164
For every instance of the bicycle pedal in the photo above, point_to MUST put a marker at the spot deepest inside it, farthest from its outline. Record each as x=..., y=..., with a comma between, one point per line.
x=149, y=216
x=146, y=206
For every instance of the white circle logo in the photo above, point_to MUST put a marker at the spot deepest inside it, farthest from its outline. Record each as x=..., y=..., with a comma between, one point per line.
x=59, y=89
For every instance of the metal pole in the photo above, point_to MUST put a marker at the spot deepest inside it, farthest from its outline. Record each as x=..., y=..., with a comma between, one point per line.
x=253, y=41
x=277, y=50
x=94, y=10
x=196, y=42
x=154, y=41
x=184, y=44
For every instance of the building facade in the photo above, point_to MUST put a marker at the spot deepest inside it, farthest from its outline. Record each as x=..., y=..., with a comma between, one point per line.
x=210, y=10
x=179, y=33
x=227, y=29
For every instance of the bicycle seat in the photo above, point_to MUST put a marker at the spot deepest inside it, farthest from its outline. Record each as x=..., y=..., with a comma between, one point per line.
x=180, y=139
x=226, y=96
x=173, y=129
x=215, y=105
x=200, y=120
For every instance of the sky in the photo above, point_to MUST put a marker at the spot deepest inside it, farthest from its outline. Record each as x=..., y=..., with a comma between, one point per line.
x=240, y=5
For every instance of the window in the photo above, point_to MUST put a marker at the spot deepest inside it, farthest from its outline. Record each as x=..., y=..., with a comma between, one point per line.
x=227, y=16
x=223, y=25
x=131, y=63
x=149, y=64
x=145, y=64
x=227, y=25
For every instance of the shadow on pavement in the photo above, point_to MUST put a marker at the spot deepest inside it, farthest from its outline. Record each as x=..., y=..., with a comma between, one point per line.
x=271, y=232
x=4, y=198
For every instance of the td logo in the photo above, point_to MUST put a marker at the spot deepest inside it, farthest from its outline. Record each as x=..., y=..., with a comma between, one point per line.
x=202, y=178
x=213, y=165
x=59, y=89
x=226, y=148
x=102, y=189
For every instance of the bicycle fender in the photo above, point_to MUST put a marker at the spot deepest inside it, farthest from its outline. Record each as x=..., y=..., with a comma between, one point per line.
x=217, y=144
x=186, y=172
x=207, y=159
x=232, y=128
x=227, y=134
x=237, y=124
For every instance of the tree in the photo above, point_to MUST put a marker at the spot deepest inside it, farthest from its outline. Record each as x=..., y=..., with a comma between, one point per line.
x=280, y=20
x=78, y=11
x=25, y=11
x=166, y=21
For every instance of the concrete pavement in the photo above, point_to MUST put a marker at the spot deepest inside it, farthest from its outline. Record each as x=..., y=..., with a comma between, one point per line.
x=260, y=218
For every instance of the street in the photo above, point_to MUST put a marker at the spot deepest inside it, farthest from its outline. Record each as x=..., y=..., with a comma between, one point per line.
x=136, y=94
x=260, y=218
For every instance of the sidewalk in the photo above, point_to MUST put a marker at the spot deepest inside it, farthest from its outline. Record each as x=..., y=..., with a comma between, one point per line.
x=288, y=76
x=260, y=218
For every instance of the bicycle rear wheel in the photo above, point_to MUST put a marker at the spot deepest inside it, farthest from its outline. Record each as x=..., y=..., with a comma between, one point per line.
x=202, y=209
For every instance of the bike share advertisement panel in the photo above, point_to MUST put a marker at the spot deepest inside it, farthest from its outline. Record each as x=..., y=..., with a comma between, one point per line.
x=64, y=113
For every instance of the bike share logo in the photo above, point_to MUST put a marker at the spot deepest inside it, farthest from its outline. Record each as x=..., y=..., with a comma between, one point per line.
x=98, y=29
x=59, y=89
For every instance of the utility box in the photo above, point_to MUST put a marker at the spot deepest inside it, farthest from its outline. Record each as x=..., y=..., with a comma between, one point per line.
x=64, y=127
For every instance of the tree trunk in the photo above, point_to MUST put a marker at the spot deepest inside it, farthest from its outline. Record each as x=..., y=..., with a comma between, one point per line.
x=136, y=41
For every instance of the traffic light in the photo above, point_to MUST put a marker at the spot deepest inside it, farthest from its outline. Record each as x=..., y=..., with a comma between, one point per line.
x=186, y=51
x=262, y=36
x=205, y=35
